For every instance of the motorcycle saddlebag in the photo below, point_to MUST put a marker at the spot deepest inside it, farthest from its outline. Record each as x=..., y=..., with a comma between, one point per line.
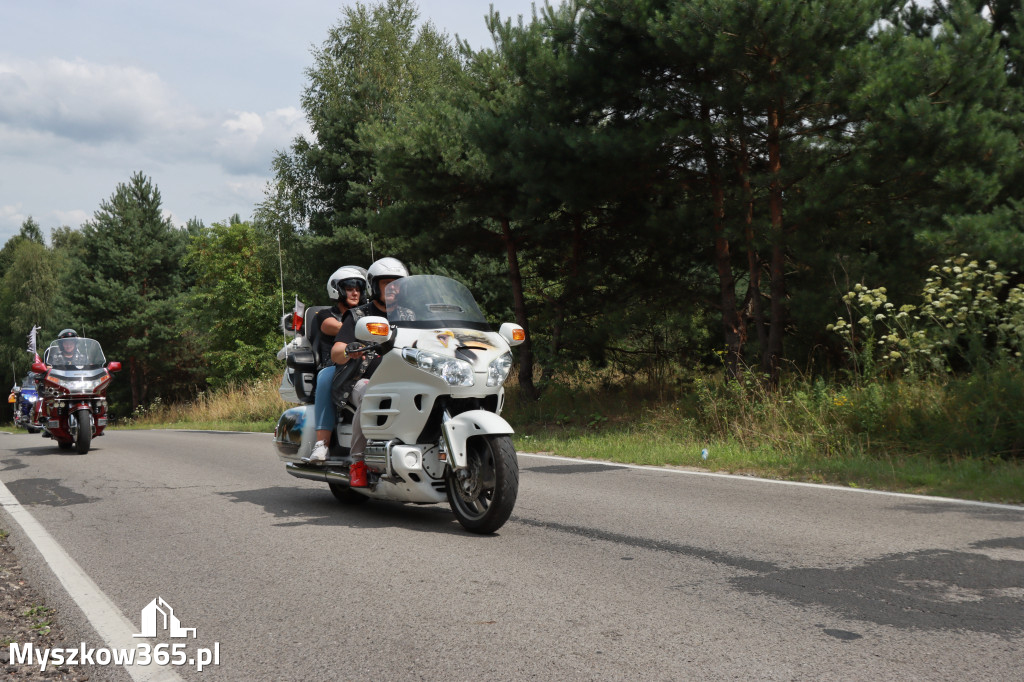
x=303, y=367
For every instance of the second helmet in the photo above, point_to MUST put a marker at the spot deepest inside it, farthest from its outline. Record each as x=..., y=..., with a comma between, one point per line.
x=385, y=268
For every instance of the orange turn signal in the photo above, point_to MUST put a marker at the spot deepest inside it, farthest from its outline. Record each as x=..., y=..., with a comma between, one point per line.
x=518, y=334
x=378, y=328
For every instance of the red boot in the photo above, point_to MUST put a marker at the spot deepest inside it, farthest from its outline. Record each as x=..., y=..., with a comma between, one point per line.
x=357, y=474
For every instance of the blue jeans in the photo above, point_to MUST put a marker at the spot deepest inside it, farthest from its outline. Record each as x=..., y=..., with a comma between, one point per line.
x=323, y=406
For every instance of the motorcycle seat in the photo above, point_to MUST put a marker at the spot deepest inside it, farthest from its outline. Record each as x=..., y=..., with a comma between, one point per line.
x=313, y=332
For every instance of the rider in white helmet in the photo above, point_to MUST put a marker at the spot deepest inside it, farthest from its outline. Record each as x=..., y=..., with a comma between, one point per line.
x=347, y=288
x=379, y=275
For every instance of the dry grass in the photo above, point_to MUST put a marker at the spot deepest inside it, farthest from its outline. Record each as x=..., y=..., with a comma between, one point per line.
x=249, y=405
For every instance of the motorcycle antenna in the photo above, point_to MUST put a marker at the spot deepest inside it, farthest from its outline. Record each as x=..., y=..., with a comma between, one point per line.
x=280, y=266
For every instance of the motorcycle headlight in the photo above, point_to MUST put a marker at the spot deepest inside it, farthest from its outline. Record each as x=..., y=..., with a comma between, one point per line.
x=31, y=398
x=79, y=385
x=498, y=370
x=452, y=371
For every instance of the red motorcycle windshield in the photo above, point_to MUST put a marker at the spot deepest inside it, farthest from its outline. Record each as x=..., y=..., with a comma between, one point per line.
x=74, y=353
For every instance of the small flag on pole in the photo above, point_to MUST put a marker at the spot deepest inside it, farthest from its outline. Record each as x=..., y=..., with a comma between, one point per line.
x=32, y=343
x=32, y=339
x=300, y=310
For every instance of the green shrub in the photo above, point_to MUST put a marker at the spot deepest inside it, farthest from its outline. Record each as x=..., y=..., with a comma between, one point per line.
x=981, y=415
x=969, y=318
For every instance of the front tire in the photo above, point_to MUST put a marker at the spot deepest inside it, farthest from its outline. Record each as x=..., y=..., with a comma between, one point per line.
x=482, y=499
x=84, y=438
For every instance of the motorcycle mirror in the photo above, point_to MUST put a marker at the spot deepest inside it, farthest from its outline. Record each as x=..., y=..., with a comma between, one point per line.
x=38, y=368
x=512, y=333
x=114, y=366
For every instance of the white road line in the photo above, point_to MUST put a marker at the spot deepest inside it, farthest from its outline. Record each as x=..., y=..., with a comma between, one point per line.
x=755, y=479
x=103, y=615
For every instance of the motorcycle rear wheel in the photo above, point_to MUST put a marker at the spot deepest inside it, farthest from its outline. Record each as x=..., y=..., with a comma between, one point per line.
x=84, y=438
x=483, y=500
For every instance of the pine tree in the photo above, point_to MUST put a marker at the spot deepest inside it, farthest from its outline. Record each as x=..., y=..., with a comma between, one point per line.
x=126, y=289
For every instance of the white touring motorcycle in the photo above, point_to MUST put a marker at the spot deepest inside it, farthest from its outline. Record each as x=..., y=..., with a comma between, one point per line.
x=431, y=411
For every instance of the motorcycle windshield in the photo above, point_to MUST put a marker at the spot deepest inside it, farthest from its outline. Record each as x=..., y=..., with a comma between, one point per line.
x=431, y=302
x=75, y=353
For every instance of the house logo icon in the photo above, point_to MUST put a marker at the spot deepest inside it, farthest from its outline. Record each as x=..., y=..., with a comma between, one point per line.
x=158, y=615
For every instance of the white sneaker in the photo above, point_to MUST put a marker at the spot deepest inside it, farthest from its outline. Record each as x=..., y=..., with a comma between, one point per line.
x=319, y=453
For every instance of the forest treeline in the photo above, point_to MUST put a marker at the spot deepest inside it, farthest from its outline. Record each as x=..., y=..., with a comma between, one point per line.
x=645, y=184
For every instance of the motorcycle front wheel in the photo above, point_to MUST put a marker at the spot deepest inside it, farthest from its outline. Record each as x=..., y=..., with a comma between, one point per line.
x=84, y=438
x=483, y=496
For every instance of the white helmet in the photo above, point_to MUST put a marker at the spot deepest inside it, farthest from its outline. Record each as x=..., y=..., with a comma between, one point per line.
x=385, y=268
x=346, y=275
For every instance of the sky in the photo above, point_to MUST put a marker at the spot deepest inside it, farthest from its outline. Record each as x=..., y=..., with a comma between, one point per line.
x=195, y=94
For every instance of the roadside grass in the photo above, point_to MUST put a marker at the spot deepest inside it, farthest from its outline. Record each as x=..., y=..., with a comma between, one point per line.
x=40, y=615
x=948, y=438
x=249, y=407
x=186, y=425
x=991, y=480
x=951, y=438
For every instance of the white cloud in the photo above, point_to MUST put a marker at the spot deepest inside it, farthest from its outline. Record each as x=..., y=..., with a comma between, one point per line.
x=86, y=102
x=248, y=140
x=12, y=215
x=77, y=129
x=74, y=217
x=126, y=111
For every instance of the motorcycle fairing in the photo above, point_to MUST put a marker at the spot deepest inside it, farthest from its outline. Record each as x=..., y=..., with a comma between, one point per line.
x=80, y=374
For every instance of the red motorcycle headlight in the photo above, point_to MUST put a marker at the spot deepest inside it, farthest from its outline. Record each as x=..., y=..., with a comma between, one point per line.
x=54, y=384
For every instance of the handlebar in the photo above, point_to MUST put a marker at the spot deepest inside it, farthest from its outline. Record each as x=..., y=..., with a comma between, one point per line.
x=359, y=347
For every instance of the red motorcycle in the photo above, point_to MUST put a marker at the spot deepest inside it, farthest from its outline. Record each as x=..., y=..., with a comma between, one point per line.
x=73, y=389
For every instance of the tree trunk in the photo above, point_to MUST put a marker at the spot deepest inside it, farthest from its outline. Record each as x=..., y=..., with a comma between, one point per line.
x=726, y=285
x=519, y=302
x=731, y=322
x=133, y=381
x=753, y=308
x=770, y=361
x=571, y=287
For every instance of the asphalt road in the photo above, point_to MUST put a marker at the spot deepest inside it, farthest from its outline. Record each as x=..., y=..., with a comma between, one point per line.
x=602, y=573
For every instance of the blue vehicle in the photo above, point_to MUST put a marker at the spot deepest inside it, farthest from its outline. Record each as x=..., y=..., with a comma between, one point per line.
x=23, y=400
